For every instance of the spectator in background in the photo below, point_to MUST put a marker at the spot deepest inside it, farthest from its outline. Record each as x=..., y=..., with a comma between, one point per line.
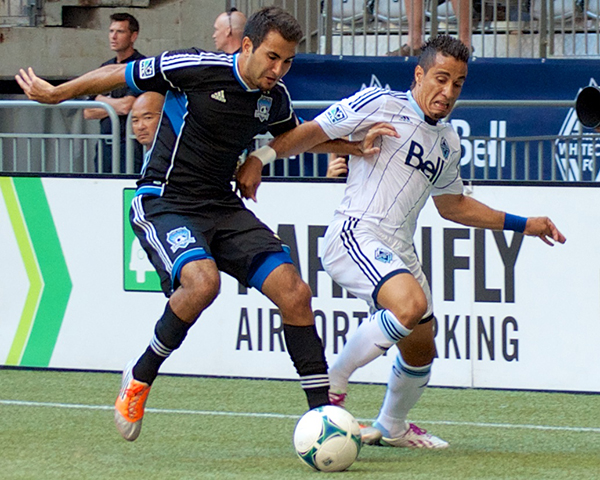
x=414, y=12
x=229, y=30
x=123, y=32
x=337, y=166
x=145, y=116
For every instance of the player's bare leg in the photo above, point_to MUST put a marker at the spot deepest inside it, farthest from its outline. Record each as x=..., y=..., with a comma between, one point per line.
x=404, y=304
x=293, y=297
x=199, y=287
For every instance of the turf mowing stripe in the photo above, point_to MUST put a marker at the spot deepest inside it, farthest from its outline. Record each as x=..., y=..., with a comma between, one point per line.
x=21, y=403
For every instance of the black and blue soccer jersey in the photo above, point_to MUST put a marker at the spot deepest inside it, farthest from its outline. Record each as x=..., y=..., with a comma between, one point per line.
x=210, y=116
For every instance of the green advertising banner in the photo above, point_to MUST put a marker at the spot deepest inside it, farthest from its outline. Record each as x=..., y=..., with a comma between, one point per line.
x=138, y=273
x=49, y=280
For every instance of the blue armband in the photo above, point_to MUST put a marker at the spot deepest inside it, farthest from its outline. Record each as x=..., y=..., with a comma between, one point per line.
x=514, y=222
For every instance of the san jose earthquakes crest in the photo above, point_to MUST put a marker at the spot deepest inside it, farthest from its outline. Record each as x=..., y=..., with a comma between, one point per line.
x=180, y=238
x=263, y=107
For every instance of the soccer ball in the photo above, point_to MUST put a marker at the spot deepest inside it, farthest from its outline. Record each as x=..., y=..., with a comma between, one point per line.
x=327, y=438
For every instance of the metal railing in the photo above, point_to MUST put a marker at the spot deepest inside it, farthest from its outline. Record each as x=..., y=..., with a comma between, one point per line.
x=48, y=152
x=568, y=155
x=571, y=156
x=498, y=28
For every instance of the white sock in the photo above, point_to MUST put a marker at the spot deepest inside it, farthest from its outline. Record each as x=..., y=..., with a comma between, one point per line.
x=404, y=388
x=372, y=339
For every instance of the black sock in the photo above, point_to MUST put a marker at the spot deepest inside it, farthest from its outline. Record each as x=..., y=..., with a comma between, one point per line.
x=169, y=333
x=306, y=351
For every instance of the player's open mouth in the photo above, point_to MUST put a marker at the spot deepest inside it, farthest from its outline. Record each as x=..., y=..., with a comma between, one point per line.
x=441, y=106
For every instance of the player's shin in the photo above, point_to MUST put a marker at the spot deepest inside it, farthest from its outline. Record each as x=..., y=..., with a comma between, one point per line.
x=169, y=333
x=372, y=339
x=404, y=389
x=306, y=351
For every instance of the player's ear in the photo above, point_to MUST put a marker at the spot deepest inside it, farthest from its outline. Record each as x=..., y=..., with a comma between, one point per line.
x=247, y=45
x=419, y=74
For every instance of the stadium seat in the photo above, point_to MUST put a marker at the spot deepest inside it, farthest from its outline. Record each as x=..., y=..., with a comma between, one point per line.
x=592, y=8
x=391, y=11
x=348, y=11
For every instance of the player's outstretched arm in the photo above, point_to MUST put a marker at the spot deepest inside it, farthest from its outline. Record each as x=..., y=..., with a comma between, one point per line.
x=101, y=80
x=363, y=148
x=303, y=138
x=294, y=141
x=470, y=212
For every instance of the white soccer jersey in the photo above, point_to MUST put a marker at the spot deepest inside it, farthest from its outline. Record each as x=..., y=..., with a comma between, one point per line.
x=390, y=189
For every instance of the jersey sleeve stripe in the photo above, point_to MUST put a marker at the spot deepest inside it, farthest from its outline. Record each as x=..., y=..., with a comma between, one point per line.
x=130, y=79
x=362, y=99
x=289, y=100
x=182, y=60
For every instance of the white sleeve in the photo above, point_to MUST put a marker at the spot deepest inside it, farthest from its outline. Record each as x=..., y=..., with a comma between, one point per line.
x=352, y=114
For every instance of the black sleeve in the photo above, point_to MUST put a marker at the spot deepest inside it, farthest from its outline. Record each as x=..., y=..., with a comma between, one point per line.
x=172, y=70
x=284, y=118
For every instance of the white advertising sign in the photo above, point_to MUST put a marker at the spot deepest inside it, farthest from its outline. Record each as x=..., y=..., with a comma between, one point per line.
x=511, y=311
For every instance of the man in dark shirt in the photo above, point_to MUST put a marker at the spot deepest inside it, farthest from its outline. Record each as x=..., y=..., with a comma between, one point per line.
x=186, y=214
x=123, y=32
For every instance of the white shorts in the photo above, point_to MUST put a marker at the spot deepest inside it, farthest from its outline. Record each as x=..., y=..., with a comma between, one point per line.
x=360, y=261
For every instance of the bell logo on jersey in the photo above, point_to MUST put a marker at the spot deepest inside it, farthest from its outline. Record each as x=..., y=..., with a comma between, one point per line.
x=336, y=114
x=180, y=238
x=263, y=107
x=146, y=68
x=415, y=159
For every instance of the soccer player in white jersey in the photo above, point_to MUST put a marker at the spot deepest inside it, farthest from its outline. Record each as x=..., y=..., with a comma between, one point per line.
x=369, y=244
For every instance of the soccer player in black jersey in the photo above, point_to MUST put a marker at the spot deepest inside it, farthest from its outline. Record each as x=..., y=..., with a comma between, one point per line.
x=186, y=215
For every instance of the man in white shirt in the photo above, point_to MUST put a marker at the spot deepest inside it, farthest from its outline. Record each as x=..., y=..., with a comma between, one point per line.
x=369, y=244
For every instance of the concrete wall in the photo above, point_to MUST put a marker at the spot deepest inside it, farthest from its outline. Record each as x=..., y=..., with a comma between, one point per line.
x=59, y=52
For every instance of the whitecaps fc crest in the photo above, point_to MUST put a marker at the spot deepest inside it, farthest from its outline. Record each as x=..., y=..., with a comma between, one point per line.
x=180, y=238
x=576, y=158
x=263, y=107
x=445, y=148
x=384, y=255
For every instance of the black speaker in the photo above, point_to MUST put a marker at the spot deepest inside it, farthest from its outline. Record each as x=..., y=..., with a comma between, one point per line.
x=587, y=107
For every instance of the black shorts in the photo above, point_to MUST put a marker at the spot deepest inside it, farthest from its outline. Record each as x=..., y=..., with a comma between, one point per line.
x=174, y=232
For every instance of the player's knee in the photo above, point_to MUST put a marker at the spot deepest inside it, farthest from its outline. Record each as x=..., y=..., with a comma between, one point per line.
x=297, y=298
x=202, y=285
x=412, y=311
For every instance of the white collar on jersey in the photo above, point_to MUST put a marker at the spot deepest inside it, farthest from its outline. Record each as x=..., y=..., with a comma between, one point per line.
x=417, y=109
x=238, y=76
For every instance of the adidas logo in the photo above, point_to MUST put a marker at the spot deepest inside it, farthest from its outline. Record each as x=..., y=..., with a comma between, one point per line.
x=219, y=96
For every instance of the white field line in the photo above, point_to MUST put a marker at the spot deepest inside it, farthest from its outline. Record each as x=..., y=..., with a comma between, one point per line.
x=20, y=403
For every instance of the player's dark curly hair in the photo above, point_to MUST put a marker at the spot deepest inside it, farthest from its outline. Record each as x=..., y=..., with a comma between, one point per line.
x=447, y=46
x=268, y=19
x=134, y=25
x=444, y=44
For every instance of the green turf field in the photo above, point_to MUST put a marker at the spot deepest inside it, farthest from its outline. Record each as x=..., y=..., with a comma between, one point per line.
x=58, y=425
